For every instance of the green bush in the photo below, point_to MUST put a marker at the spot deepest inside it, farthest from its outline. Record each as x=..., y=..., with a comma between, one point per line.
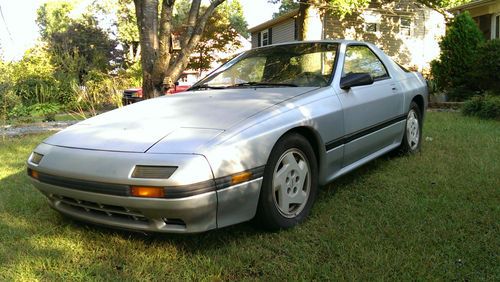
x=19, y=111
x=487, y=107
x=35, y=89
x=47, y=110
x=462, y=93
x=8, y=100
x=457, y=60
x=486, y=74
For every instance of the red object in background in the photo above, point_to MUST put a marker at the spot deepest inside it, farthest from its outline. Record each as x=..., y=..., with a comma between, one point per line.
x=133, y=95
x=177, y=89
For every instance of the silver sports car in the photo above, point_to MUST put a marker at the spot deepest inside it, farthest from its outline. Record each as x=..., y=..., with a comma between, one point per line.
x=255, y=138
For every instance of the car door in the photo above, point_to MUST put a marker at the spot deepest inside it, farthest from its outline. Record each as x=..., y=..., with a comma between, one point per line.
x=370, y=111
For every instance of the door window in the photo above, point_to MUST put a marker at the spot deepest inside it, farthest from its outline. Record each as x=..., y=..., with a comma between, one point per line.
x=360, y=59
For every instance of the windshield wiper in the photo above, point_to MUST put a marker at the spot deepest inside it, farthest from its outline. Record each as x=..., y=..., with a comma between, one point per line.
x=206, y=86
x=267, y=84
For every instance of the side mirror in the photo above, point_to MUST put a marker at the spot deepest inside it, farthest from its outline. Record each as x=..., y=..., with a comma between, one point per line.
x=176, y=83
x=355, y=79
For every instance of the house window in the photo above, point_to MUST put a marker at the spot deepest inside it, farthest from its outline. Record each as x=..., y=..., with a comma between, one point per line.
x=372, y=20
x=372, y=27
x=495, y=27
x=405, y=26
x=264, y=37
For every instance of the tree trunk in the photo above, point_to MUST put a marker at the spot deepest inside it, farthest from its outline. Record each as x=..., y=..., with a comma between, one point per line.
x=309, y=21
x=158, y=65
x=147, y=21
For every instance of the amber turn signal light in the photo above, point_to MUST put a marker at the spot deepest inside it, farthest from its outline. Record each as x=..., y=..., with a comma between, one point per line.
x=147, y=192
x=33, y=173
x=241, y=177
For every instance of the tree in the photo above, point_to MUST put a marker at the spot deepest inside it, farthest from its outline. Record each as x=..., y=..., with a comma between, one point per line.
x=237, y=20
x=54, y=17
x=458, y=49
x=218, y=36
x=76, y=43
x=154, y=19
x=128, y=33
x=285, y=7
x=83, y=47
x=221, y=33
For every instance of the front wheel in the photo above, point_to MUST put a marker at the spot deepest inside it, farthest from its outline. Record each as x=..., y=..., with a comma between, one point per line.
x=290, y=183
x=413, y=131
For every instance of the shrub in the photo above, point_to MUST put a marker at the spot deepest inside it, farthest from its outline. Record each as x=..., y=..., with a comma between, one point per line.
x=486, y=74
x=8, y=100
x=100, y=91
x=487, y=107
x=462, y=93
x=457, y=59
x=19, y=111
x=35, y=89
x=32, y=77
x=47, y=110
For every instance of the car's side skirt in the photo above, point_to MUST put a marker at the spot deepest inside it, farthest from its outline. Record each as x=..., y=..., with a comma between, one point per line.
x=361, y=162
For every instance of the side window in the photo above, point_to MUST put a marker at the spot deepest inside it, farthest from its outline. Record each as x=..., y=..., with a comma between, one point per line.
x=359, y=59
x=264, y=37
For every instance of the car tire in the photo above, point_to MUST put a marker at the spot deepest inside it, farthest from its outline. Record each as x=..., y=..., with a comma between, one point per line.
x=412, y=137
x=290, y=183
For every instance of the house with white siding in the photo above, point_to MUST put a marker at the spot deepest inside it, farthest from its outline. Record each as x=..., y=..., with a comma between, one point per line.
x=406, y=30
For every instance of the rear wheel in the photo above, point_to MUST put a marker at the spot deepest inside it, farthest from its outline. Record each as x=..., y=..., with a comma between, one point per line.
x=413, y=131
x=290, y=183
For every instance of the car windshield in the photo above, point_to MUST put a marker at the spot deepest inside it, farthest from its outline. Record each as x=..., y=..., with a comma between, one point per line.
x=303, y=65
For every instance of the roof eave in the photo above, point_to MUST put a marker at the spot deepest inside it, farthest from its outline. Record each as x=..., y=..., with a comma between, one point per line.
x=471, y=5
x=274, y=21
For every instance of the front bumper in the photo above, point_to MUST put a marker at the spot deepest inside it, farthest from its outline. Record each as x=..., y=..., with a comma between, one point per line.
x=184, y=215
x=85, y=185
x=198, y=213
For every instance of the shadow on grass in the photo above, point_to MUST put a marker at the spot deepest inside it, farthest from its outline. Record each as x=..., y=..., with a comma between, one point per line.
x=346, y=181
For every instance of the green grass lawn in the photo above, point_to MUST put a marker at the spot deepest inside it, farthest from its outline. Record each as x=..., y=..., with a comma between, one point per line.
x=431, y=216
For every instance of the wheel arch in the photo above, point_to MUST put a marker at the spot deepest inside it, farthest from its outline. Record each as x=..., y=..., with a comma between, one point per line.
x=419, y=100
x=313, y=138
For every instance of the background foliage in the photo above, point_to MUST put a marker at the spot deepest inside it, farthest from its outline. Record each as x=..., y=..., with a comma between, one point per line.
x=458, y=50
x=86, y=57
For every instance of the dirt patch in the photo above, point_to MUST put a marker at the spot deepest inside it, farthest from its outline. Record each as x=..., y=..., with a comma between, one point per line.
x=9, y=130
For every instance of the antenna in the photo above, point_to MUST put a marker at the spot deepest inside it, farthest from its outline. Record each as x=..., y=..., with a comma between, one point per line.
x=6, y=27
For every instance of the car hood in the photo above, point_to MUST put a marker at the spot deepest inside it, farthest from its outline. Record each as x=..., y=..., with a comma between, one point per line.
x=194, y=116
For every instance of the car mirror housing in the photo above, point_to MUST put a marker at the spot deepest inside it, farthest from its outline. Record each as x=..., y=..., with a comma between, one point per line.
x=355, y=79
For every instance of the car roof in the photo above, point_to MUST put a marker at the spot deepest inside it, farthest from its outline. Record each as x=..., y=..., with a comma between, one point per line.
x=338, y=41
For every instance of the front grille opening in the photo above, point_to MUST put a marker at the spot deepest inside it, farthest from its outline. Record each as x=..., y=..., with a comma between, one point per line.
x=102, y=210
x=174, y=221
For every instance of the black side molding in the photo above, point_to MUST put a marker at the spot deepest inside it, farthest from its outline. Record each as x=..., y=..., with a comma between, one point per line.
x=361, y=133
